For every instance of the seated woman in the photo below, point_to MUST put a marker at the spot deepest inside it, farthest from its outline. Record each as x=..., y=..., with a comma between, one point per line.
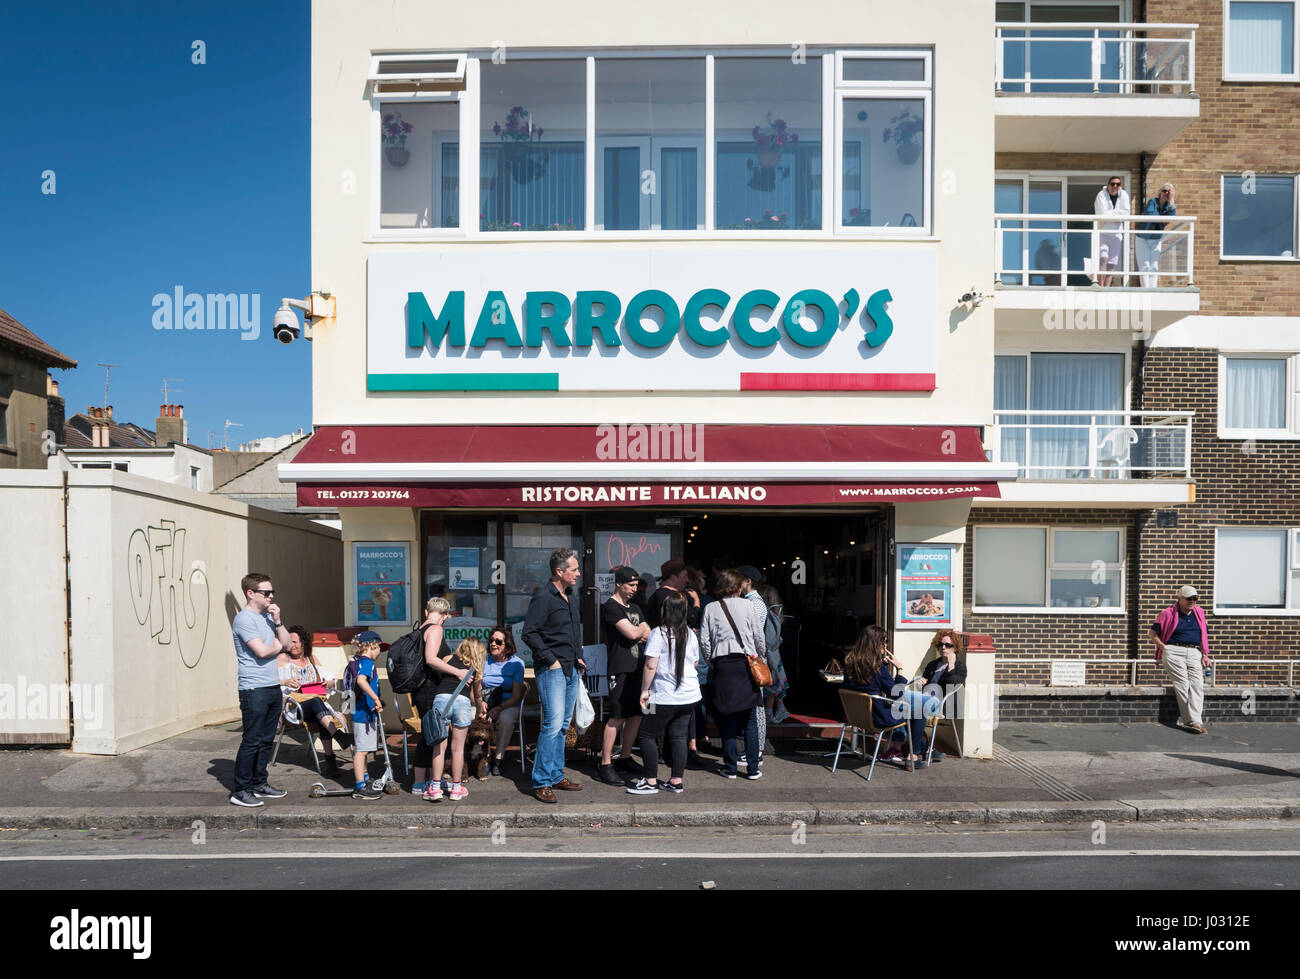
x=503, y=691
x=300, y=673
x=871, y=668
x=947, y=672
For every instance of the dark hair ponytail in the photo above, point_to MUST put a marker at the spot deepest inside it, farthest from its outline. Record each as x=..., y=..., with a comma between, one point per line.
x=674, y=623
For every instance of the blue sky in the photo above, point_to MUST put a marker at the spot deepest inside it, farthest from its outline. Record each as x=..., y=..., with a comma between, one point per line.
x=167, y=173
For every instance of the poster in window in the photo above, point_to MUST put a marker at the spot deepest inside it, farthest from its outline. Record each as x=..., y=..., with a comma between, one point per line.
x=924, y=586
x=382, y=582
x=462, y=569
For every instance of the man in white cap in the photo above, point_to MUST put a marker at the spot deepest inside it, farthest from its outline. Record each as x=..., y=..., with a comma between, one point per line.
x=1183, y=642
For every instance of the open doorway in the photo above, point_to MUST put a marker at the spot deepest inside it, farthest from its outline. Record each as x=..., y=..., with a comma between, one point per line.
x=831, y=571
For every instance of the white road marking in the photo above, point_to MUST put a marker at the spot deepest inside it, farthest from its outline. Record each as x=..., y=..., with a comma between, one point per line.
x=633, y=855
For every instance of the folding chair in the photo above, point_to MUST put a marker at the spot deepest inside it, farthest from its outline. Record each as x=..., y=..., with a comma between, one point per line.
x=411, y=724
x=940, y=718
x=291, y=716
x=857, y=714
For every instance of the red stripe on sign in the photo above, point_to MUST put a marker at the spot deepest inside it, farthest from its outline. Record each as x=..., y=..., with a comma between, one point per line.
x=836, y=382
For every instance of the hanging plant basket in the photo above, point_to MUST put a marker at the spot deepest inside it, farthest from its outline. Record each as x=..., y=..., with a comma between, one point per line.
x=909, y=153
x=769, y=158
x=397, y=155
x=525, y=161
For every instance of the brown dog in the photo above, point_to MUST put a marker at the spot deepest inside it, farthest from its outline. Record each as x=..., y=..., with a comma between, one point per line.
x=478, y=747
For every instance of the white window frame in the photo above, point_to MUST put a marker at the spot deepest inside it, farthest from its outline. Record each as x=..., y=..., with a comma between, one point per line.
x=1291, y=429
x=1121, y=569
x=833, y=92
x=883, y=91
x=1295, y=221
x=1230, y=76
x=1290, y=564
x=436, y=81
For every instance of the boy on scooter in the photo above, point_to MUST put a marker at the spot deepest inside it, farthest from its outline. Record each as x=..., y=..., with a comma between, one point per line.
x=365, y=713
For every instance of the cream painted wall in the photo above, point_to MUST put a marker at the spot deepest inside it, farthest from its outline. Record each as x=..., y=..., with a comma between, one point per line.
x=151, y=606
x=343, y=35
x=380, y=524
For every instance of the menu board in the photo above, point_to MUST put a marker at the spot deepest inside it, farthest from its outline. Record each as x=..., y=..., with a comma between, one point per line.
x=924, y=586
x=382, y=582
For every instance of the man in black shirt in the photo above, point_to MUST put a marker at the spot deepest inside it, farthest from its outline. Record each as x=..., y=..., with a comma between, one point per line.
x=672, y=578
x=625, y=635
x=553, y=632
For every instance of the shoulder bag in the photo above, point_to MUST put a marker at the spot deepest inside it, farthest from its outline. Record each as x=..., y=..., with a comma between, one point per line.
x=433, y=725
x=758, y=669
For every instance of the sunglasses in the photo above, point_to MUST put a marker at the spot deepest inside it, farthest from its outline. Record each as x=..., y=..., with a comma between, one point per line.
x=948, y=645
x=1194, y=598
x=496, y=642
x=267, y=592
x=1116, y=183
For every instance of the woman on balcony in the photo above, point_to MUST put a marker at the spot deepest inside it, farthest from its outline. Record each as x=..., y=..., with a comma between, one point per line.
x=1111, y=200
x=1150, y=236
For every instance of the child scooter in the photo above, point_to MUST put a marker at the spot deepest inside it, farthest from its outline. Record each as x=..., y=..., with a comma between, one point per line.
x=386, y=782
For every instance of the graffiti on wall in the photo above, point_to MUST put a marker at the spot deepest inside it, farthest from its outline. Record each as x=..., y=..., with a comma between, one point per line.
x=168, y=595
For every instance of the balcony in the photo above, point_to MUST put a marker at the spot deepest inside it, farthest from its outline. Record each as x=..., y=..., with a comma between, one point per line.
x=1053, y=263
x=1093, y=87
x=1093, y=458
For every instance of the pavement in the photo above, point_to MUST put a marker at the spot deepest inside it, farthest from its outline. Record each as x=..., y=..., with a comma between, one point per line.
x=1040, y=773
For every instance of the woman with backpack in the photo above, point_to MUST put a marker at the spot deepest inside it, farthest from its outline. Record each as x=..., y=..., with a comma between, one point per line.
x=670, y=690
x=730, y=633
x=436, y=655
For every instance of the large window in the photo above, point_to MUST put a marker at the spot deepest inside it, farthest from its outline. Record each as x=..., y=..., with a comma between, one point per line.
x=767, y=119
x=1260, y=41
x=1259, y=216
x=1049, y=569
x=650, y=144
x=1257, y=570
x=6, y=389
x=1258, y=396
x=532, y=159
x=1088, y=389
x=817, y=141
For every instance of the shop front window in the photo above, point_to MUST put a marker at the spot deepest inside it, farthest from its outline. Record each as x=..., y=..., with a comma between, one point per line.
x=529, y=541
x=769, y=144
x=532, y=164
x=458, y=563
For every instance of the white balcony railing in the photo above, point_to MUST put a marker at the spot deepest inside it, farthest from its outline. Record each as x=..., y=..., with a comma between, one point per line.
x=1096, y=58
x=1141, y=250
x=1055, y=444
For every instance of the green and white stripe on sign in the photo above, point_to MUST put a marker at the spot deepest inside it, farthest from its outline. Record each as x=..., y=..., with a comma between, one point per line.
x=463, y=382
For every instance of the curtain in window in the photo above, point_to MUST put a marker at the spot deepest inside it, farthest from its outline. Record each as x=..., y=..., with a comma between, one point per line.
x=622, y=188
x=1071, y=382
x=1250, y=568
x=449, y=187
x=1261, y=38
x=534, y=186
x=750, y=196
x=1009, y=393
x=1255, y=394
x=678, y=198
x=1010, y=566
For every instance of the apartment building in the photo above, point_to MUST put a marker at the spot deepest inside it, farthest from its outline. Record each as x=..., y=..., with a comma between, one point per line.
x=1152, y=412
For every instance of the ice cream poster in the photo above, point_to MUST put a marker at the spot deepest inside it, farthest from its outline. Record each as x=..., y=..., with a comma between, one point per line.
x=924, y=585
x=382, y=582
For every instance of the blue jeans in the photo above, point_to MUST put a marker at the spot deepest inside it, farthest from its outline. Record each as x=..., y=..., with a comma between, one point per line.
x=260, y=709
x=916, y=706
x=734, y=726
x=558, y=695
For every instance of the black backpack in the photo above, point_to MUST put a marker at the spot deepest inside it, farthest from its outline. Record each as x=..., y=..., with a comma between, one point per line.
x=406, y=662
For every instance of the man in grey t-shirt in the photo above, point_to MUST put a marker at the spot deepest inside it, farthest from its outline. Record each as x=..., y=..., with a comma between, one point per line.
x=259, y=638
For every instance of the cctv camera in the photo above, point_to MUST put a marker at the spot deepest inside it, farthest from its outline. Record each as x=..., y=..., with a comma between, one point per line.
x=285, y=325
x=973, y=296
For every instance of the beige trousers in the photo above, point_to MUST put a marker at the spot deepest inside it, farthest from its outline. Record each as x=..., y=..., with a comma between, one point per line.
x=1183, y=664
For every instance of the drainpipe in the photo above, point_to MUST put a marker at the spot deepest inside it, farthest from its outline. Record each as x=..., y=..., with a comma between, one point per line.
x=67, y=609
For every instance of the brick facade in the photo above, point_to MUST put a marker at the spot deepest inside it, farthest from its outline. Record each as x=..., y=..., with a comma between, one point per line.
x=1242, y=126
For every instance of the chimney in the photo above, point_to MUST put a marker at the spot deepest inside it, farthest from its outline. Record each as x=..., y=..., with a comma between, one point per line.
x=171, y=425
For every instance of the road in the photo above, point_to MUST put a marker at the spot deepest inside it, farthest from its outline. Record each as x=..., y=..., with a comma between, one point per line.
x=1169, y=856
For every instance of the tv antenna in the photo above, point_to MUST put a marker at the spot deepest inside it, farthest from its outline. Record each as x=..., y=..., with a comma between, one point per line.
x=108, y=369
x=229, y=425
x=166, y=399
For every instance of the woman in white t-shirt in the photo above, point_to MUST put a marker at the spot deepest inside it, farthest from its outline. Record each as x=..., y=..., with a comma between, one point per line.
x=670, y=689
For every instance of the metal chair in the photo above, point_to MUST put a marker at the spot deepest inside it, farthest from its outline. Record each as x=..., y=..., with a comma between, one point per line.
x=597, y=676
x=857, y=714
x=291, y=716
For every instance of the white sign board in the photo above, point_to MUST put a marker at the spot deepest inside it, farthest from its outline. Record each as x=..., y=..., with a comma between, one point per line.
x=616, y=319
x=1069, y=673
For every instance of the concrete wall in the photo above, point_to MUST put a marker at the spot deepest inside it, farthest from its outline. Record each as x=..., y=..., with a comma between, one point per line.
x=154, y=578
